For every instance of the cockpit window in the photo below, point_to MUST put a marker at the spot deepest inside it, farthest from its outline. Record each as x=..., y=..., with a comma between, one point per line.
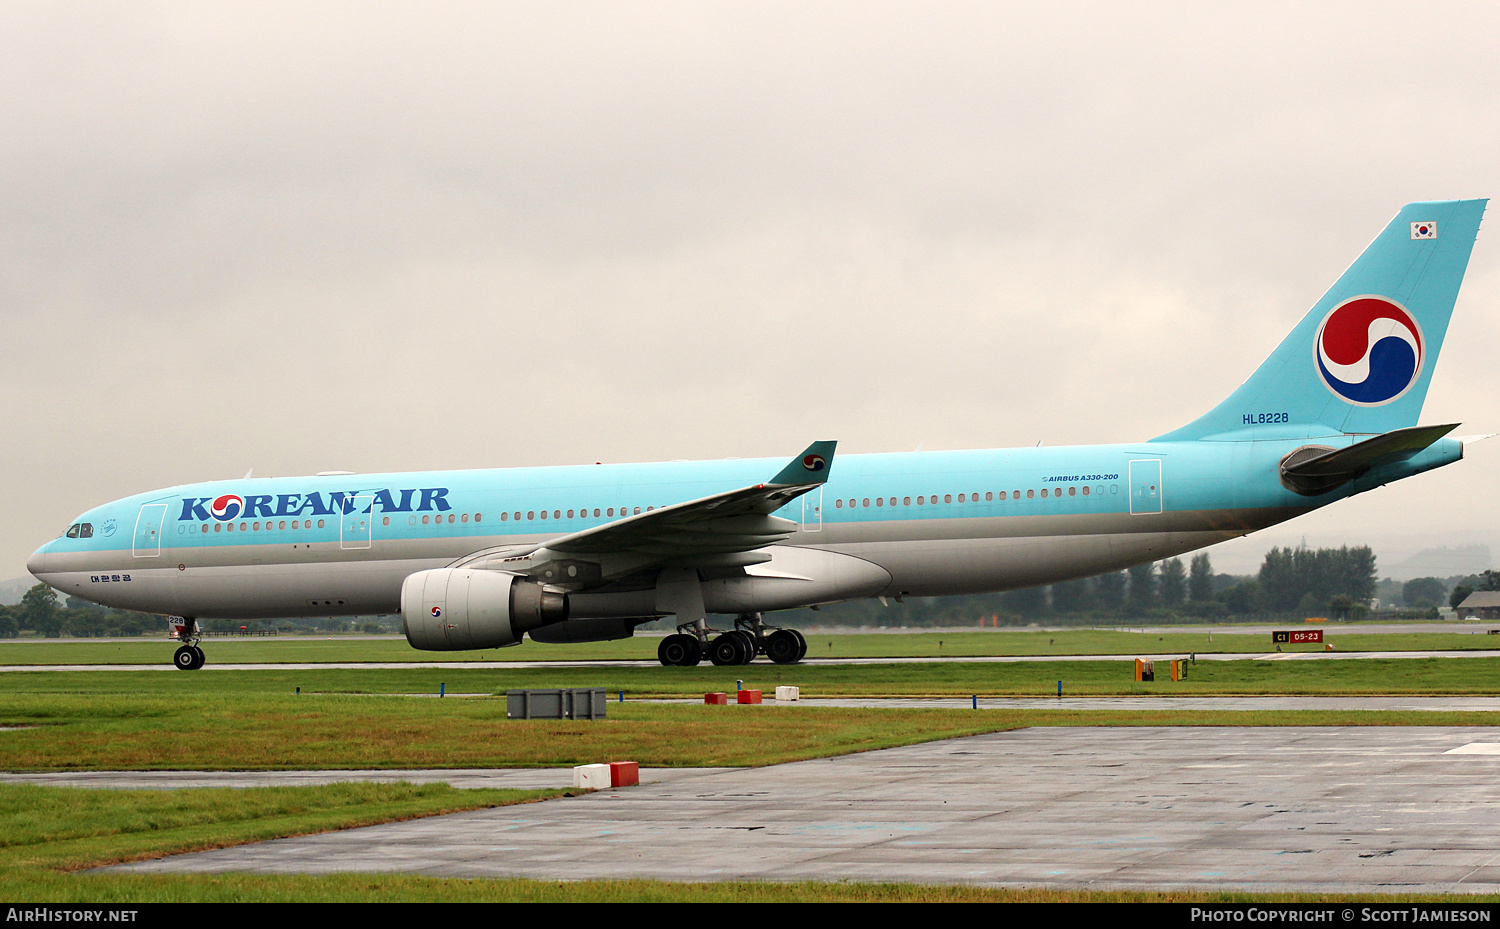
x=73, y=531
x=85, y=530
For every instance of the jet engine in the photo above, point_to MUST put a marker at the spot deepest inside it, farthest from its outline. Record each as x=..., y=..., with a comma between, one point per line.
x=452, y=609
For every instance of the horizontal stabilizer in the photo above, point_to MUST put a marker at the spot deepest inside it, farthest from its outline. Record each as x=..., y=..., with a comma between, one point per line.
x=1314, y=471
x=1398, y=445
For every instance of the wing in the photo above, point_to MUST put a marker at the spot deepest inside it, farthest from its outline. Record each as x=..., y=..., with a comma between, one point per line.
x=721, y=530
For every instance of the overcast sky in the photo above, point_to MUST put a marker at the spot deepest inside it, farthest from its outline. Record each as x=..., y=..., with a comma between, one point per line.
x=373, y=237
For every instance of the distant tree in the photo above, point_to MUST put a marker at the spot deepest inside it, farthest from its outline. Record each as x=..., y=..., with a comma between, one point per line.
x=1142, y=586
x=1172, y=585
x=1109, y=589
x=1343, y=606
x=1200, y=579
x=1026, y=603
x=1301, y=578
x=1422, y=592
x=1073, y=596
x=9, y=628
x=38, y=611
x=1244, y=597
x=1459, y=595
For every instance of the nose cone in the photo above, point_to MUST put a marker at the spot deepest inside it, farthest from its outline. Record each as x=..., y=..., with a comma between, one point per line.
x=37, y=563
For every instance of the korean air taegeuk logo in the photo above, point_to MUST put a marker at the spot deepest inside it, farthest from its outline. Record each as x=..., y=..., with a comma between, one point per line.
x=1369, y=351
x=227, y=507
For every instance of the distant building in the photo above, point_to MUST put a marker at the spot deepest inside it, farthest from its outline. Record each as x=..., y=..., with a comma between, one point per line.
x=1481, y=604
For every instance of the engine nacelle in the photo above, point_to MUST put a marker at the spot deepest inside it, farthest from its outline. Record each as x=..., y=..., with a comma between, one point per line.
x=454, y=609
x=590, y=630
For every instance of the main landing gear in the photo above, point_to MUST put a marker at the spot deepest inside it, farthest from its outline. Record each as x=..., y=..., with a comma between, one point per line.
x=738, y=646
x=188, y=657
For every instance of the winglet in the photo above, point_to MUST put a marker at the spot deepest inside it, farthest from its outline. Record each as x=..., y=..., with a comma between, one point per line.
x=810, y=467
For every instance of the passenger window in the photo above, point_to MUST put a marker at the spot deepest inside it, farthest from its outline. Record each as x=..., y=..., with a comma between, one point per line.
x=1072, y=491
x=838, y=504
x=906, y=501
x=479, y=517
x=570, y=514
x=1030, y=494
x=1044, y=491
x=425, y=519
x=867, y=501
x=920, y=500
x=989, y=496
x=1085, y=490
x=960, y=498
x=386, y=521
x=947, y=498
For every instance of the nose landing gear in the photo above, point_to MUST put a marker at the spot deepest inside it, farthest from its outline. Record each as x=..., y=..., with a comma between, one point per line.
x=188, y=657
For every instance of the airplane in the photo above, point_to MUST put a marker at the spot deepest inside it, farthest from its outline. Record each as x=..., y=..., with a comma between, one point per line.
x=479, y=559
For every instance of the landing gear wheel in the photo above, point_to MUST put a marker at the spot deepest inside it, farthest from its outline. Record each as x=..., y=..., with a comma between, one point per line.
x=751, y=647
x=186, y=658
x=681, y=651
x=728, y=649
x=801, y=644
x=782, y=647
x=201, y=658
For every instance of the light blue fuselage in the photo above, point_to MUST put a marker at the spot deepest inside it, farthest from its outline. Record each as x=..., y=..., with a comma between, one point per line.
x=987, y=520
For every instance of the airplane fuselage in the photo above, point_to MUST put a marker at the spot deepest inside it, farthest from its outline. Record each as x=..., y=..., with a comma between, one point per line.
x=919, y=524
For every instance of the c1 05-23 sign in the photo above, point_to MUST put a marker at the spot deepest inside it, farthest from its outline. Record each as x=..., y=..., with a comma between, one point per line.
x=1296, y=636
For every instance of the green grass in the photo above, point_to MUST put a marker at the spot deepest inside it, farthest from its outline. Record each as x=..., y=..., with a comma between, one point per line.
x=368, y=718
x=232, y=650
x=1363, y=676
x=47, y=832
x=260, y=733
x=69, y=732
x=362, y=719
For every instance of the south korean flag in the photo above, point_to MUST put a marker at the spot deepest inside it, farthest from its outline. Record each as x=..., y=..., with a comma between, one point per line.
x=1424, y=230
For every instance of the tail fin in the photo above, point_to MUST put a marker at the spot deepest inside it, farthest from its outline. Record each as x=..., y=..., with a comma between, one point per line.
x=1361, y=360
